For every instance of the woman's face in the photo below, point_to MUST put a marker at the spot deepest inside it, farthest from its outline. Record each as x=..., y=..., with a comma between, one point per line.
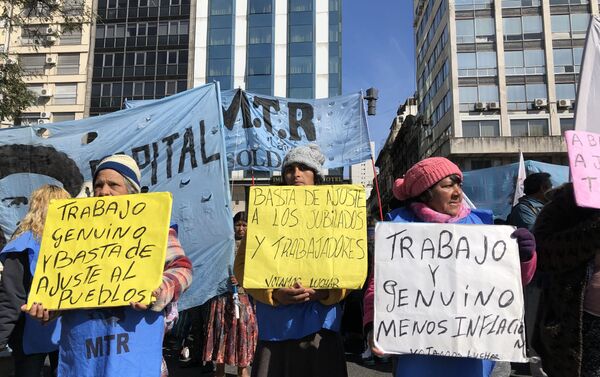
x=447, y=197
x=298, y=175
x=240, y=228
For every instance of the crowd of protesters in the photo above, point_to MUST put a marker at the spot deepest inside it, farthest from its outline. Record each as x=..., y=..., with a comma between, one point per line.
x=296, y=331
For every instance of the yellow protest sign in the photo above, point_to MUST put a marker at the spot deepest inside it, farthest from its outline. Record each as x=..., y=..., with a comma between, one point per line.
x=316, y=235
x=102, y=252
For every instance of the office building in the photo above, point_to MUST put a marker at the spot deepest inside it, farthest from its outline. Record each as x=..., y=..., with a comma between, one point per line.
x=141, y=52
x=54, y=63
x=498, y=77
x=286, y=48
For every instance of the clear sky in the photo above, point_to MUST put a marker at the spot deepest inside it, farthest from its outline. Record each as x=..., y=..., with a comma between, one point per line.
x=378, y=51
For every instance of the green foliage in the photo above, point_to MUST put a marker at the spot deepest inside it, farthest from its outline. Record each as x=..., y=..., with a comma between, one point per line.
x=14, y=96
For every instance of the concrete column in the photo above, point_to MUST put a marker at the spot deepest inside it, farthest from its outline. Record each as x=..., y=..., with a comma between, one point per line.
x=280, y=51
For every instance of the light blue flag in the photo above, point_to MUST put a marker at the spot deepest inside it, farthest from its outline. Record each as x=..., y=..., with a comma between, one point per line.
x=178, y=143
x=494, y=188
x=260, y=130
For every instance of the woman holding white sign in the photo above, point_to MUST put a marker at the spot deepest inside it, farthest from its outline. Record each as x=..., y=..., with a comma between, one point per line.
x=29, y=340
x=298, y=327
x=432, y=192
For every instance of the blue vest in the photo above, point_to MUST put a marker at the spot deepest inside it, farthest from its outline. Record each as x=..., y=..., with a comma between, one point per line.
x=37, y=338
x=435, y=366
x=110, y=342
x=296, y=321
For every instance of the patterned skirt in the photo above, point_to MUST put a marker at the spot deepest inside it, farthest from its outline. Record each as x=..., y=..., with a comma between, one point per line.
x=228, y=340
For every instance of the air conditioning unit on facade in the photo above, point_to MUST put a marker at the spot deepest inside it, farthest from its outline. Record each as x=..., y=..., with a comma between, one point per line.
x=50, y=39
x=50, y=30
x=480, y=106
x=494, y=105
x=43, y=121
x=45, y=115
x=563, y=103
x=540, y=102
x=45, y=93
x=50, y=60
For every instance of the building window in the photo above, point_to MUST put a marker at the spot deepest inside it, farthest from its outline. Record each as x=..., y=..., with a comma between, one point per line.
x=62, y=117
x=70, y=38
x=300, y=83
x=473, y=4
x=520, y=3
x=220, y=37
x=68, y=64
x=566, y=26
x=567, y=60
x=525, y=62
x=475, y=30
x=65, y=94
x=566, y=91
x=481, y=128
x=33, y=64
x=480, y=164
x=521, y=97
x=569, y=2
x=259, y=51
x=477, y=64
x=566, y=124
x=469, y=95
x=522, y=28
x=529, y=127
x=32, y=35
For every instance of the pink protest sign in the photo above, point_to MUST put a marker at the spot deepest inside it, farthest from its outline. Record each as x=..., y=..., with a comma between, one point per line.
x=584, y=161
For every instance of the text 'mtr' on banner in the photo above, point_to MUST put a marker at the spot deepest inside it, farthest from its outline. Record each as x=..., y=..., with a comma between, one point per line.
x=314, y=235
x=102, y=252
x=449, y=290
x=584, y=161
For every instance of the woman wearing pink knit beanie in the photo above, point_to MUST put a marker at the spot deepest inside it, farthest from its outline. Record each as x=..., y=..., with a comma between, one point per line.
x=432, y=192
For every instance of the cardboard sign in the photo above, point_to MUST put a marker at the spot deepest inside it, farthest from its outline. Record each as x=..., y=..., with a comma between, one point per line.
x=584, y=161
x=102, y=252
x=316, y=235
x=450, y=290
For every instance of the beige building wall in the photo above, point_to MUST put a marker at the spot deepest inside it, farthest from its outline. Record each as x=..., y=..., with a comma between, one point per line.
x=58, y=68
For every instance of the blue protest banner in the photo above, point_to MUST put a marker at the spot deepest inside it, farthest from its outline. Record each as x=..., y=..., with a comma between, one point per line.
x=260, y=130
x=178, y=143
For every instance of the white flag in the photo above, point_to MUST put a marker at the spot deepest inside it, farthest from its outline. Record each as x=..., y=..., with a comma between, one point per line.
x=587, y=113
x=521, y=175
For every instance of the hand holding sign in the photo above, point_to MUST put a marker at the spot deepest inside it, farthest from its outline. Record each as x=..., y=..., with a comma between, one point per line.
x=101, y=252
x=450, y=290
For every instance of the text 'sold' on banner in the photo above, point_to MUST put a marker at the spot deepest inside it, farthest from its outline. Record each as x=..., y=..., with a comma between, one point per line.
x=449, y=290
x=102, y=252
x=584, y=161
x=316, y=235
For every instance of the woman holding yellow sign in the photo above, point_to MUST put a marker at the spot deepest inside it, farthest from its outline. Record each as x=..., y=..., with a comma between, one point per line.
x=122, y=340
x=298, y=327
x=29, y=340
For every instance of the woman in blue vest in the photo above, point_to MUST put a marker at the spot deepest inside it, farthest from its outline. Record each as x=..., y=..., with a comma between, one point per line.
x=432, y=192
x=29, y=340
x=298, y=327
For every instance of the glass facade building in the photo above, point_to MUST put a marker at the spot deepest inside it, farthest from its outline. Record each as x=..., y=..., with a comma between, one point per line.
x=270, y=46
x=498, y=69
x=141, y=51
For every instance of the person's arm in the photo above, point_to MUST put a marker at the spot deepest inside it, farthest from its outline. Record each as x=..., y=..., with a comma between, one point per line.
x=13, y=293
x=177, y=274
x=522, y=216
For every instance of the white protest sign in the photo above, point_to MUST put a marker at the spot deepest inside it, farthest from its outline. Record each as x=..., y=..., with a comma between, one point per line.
x=445, y=289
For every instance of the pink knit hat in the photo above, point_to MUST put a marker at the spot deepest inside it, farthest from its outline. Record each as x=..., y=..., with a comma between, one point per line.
x=423, y=175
